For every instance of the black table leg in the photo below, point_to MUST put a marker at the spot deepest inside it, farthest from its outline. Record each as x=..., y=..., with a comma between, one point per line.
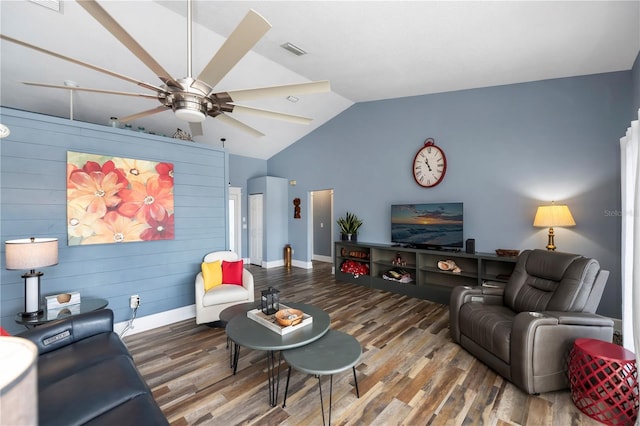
x=286, y=389
x=236, y=357
x=355, y=378
x=273, y=377
x=321, y=400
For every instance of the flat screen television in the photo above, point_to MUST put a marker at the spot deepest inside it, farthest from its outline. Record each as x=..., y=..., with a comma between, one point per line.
x=427, y=225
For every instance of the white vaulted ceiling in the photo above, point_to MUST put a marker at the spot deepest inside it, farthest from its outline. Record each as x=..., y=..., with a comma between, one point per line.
x=369, y=50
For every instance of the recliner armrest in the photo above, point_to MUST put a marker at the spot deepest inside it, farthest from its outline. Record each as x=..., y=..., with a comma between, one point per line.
x=580, y=318
x=459, y=296
x=65, y=331
x=541, y=341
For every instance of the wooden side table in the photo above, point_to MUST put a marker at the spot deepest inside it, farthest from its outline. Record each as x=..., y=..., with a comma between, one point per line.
x=604, y=381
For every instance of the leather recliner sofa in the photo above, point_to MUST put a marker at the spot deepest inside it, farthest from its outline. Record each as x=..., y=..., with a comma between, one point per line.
x=524, y=330
x=86, y=375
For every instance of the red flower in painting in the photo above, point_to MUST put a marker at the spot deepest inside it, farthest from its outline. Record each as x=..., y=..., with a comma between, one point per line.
x=159, y=229
x=146, y=201
x=106, y=168
x=165, y=170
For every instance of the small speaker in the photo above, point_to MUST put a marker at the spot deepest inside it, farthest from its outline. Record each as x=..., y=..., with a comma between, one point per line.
x=471, y=246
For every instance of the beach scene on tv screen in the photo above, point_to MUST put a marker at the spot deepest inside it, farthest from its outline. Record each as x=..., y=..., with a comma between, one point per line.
x=427, y=224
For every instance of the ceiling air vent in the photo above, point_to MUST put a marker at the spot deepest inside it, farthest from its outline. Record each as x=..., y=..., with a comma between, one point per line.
x=50, y=4
x=293, y=49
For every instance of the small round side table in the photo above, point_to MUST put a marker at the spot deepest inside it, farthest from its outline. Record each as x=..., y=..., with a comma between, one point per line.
x=604, y=381
x=334, y=352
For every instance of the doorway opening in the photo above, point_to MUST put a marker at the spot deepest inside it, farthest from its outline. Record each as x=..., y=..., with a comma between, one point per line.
x=321, y=225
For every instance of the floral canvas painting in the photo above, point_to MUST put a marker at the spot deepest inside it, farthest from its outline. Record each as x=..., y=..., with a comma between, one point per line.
x=118, y=200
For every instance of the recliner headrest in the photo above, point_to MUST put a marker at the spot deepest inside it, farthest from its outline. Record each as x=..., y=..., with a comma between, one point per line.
x=549, y=265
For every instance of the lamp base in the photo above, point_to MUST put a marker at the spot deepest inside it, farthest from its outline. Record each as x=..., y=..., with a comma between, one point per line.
x=32, y=295
x=32, y=314
x=551, y=246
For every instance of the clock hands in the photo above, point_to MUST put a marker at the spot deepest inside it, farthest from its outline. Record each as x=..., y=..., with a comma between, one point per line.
x=426, y=160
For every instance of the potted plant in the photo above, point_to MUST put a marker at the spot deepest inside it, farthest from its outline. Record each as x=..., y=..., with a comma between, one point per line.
x=349, y=225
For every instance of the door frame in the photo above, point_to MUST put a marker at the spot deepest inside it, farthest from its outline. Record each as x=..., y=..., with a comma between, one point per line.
x=252, y=232
x=235, y=194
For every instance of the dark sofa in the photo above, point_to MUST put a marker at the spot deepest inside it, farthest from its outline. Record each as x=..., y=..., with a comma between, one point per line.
x=86, y=375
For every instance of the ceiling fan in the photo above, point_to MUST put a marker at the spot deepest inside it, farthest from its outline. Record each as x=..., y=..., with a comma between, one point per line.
x=192, y=99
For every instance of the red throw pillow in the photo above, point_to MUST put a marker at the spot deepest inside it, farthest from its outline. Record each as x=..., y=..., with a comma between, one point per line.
x=232, y=272
x=3, y=332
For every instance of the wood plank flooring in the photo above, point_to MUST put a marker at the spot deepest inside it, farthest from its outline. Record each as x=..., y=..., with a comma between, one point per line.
x=410, y=372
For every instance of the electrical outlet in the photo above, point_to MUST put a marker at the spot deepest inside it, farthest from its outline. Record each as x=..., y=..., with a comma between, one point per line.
x=134, y=301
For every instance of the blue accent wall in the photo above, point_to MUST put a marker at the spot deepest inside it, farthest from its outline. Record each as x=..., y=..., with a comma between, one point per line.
x=509, y=149
x=33, y=203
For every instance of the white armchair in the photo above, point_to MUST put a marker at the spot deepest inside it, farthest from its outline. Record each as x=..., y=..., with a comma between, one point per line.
x=209, y=304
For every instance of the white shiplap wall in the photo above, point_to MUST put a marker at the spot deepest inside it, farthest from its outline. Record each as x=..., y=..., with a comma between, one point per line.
x=33, y=203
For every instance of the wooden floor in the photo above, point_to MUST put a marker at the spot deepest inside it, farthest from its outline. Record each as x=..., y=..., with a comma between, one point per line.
x=410, y=372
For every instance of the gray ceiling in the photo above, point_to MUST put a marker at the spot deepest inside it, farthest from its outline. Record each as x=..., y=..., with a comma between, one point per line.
x=369, y=50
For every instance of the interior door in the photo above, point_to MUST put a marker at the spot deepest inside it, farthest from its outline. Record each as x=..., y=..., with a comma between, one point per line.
x=255, y=228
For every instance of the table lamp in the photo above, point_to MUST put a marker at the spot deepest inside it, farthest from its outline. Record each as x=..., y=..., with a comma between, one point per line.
x=31, y=253
x=550, y=216
x=18, y=381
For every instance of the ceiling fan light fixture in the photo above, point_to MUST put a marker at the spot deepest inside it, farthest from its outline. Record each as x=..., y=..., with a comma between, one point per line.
x=190, y=115
x=189, y=108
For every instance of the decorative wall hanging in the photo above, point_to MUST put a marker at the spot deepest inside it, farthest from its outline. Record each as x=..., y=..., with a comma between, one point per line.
x=118, y=200
x=296, y=208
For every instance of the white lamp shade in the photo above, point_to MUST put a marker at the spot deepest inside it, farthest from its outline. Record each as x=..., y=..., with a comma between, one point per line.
x=18, y=381
x=31, y=253
x=553, y=215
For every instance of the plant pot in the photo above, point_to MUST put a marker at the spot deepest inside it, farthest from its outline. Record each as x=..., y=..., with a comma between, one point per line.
x=349, y=237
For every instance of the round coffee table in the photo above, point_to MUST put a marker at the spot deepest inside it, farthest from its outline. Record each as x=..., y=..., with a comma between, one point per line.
x=225, y=316
x=334, y=352
x=246, y=332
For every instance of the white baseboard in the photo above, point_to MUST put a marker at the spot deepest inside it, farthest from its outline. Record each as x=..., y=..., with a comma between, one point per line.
x=273, y=263
x=302, y=264
x=322, y=258
x=150, y=322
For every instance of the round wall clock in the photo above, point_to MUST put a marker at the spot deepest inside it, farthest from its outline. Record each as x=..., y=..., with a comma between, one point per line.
x=429, y=165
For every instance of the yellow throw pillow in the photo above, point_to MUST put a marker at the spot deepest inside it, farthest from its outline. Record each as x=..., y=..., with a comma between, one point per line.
x=212, y=274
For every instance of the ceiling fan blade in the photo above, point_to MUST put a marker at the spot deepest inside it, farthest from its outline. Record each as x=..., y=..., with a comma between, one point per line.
x=238, y=125
x=242, y=39
x=281, y=91
x=272, y=114
x=125, y=38
x=195, y=128
x=142, y=114
x=84, y=64
x=87, y=89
